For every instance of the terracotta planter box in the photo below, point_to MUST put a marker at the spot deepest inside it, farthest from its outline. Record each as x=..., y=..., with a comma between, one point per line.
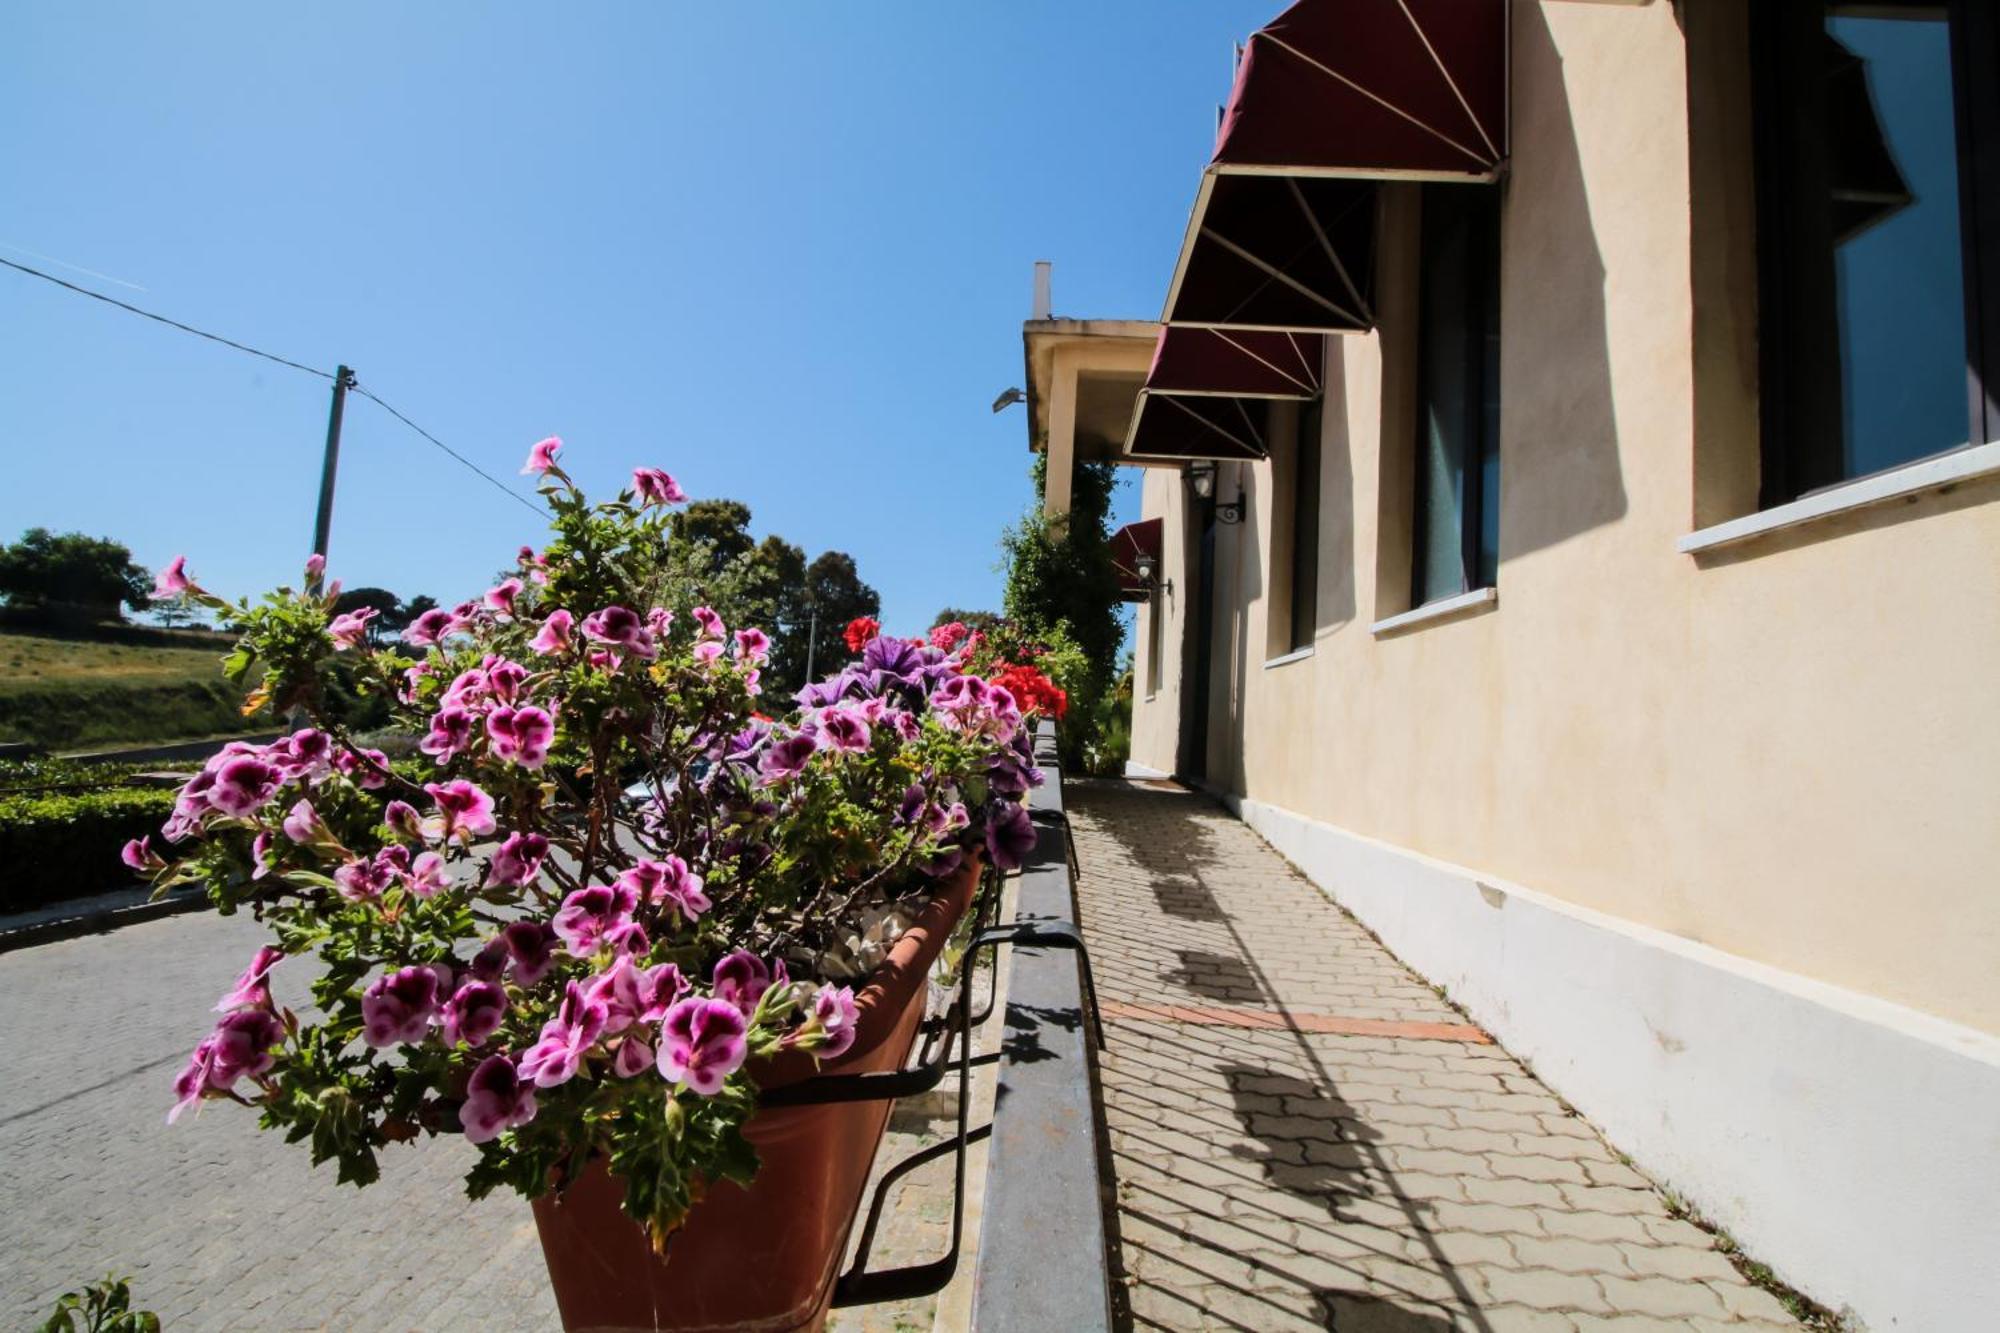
x=762, y=1258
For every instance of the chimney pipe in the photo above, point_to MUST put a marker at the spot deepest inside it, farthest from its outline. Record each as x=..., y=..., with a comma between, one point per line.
x=1042, y=307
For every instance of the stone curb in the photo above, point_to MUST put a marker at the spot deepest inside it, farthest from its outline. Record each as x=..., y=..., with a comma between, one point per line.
x=48, y=925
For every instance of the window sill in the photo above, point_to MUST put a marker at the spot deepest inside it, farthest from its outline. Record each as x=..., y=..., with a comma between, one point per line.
x=1911, y=479
x=1443, y=609
x=1296, y=655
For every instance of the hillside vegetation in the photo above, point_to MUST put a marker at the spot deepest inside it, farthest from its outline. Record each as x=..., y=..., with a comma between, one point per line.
x=66, y=694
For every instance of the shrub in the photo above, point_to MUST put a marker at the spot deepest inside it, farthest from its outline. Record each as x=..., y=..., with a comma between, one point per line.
x=64, y=844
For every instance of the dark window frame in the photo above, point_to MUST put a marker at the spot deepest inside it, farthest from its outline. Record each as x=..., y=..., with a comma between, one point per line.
x=1304, y=554
x=1480, y=372
x=1801, y=449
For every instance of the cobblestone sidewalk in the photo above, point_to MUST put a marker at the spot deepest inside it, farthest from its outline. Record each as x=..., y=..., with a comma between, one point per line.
x=1306, y=1137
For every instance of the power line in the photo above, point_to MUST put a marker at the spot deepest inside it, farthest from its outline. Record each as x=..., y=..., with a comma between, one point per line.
x=502, y=486
x=509, y=491
x=171, y=323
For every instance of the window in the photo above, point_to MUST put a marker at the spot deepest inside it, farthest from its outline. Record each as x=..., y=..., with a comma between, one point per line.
x=1456, y=539
x=1305, y=529
x=1868, y=327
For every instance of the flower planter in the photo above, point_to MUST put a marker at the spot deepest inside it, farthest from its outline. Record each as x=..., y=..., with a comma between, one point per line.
x=765, y=1257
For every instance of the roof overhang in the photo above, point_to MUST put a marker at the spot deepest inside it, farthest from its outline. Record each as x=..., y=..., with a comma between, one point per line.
x=1205, y=393
x=1332, y=97
x=1093, y=368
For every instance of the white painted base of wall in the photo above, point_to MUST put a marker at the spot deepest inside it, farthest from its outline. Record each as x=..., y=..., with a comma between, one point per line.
x=1138, y=770
x=1852, y=1144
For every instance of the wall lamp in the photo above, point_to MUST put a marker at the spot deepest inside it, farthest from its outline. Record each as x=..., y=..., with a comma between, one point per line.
x=1201, y=480
x=1008, y=398
x=1148, y=570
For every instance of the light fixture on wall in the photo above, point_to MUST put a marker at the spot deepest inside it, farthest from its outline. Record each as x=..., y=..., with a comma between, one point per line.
x=1008, y=398
x=1201, y=479
x=1147, y=567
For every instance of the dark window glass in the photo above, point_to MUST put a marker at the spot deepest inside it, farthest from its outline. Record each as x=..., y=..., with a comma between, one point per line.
x=1305, y=528
x=1864, y=317
x=1457, y=536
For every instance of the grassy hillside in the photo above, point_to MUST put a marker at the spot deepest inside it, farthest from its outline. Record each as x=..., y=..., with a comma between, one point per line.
x=66, y=694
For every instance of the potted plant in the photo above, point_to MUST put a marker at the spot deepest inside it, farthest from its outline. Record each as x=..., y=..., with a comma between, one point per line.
x=612, y=900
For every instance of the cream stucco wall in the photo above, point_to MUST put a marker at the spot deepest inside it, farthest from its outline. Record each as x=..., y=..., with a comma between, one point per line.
x=1790, y=752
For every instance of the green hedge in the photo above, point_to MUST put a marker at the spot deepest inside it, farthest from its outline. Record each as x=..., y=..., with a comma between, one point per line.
x=74, y=714
x=65, y=844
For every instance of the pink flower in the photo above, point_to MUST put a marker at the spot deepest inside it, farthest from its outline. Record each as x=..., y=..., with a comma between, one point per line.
x=496, y=1098
x=252, y=990
x=656, y=487
x=741, y=978
x=350, y=628
x=668, y=881
x=504, y=679
x=787, y=757
x=242, y=785
x=522, y=735
x=518, y=860
x=711, y=623
x=843, y=729
x=173, y=580
x=634, y=994
x=140, y=856
x=834, y=1018
x=620, y=627
x=401, y=819
x=589, y=913
x=315, y=566
x=702, y=1043
x=260, y=854
x=753, y=645
x=658, y=621
x=240, y=1045
x=555, y=634
x=400, y=1006
x=708, y=651
x=633, y=1058
x=426, y=875
x=451, y=732
x=361, y=881
x=949, y=635
x=304, y=754
x=463, y=810
x=367, y=769
x=554, y=1059
x=501, y=596
x=532, y=945
x=302, y=823
x=474, y=1013
x=542, y=457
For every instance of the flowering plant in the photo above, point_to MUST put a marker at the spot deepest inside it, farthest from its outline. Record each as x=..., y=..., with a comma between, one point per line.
x=612, y=884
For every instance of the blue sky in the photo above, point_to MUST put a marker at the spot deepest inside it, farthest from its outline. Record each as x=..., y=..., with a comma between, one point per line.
x=782, y=250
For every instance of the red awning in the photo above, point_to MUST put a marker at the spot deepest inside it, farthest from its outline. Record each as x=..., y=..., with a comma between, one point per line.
x=1204, y=397
x=1128, y=544
x=1332, y=96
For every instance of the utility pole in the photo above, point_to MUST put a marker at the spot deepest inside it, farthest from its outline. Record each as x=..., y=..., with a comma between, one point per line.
x=812, y=634
x=343, y=379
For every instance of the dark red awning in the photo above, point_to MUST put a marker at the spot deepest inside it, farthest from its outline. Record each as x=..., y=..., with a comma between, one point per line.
x=1204, y=397
x=1331, y=97
x=1128, y=544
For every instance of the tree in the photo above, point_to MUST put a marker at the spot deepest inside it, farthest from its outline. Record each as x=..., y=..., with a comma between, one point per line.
x=721, y=525
x=835, y=591
x=979, y=620
x=74, y=573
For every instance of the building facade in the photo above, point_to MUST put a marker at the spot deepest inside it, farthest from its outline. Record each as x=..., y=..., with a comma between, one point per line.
x=1608, y=612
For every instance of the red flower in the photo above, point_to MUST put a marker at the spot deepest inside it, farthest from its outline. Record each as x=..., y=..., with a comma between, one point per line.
x=859, y=631
x=1033, y=691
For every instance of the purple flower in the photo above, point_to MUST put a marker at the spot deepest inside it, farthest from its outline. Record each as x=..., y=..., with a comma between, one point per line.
x=474, y=1013
x=401, y=819
x=702, y=1043
x=787, y=757
x=588, y=914
x=451, y=731
x=834, y=1018
x=426, y=875
x=429, y=627
x=522, y=735
x=542, y=458
x=496, y=1098
x=350, y=628
x=741, y=979
x=173, y=580
x=555, y=1058
x=532, y=946
x=500, y=597
x=400, y=1006
x=843, y=729
x=555, y=634
x=620, y=627
x=518, y=860
x=656, y=487
x=252, y=989
x=463, y=810
x=243, y=784
x=1010, y=834
x=302, y=823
